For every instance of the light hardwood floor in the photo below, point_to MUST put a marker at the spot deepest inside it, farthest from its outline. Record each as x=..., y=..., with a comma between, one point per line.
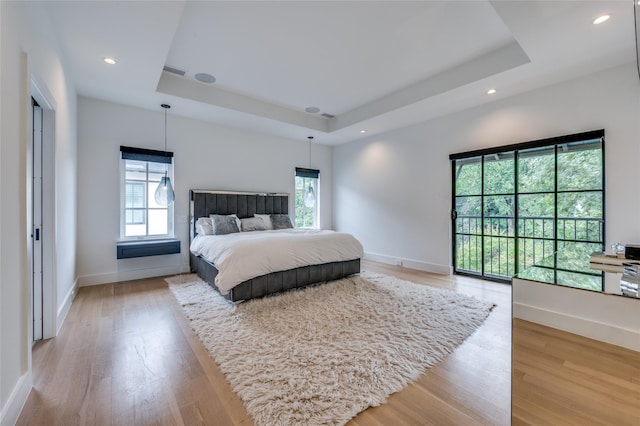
x=560, y=378
x=127, y=356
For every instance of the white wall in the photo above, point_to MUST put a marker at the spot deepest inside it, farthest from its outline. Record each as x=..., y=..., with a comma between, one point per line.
x=28, y=51
x=600, y=316
x=394, y=191
x=206, y=156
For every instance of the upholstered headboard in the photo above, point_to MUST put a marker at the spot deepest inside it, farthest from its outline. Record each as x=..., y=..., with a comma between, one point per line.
x=244, y=204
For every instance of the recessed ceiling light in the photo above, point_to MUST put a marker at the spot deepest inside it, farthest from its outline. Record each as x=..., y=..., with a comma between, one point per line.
x=363, y=131
x=491, y=91
x=109, y=61
x=600, y=19
x=312, y=110
x=205, y=78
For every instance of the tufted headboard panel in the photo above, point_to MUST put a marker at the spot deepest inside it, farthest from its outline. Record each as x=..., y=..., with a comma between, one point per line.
x=244, y=204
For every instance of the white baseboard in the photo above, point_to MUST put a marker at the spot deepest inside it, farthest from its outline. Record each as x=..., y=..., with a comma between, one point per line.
x=64, y=308
x=584, y=327
x=409, y=263
x=12, y=409
x=136, y=274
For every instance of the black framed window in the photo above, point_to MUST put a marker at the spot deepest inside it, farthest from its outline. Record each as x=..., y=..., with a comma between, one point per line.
x=518, y=205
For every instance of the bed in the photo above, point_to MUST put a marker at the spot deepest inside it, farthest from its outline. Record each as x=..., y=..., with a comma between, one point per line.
x=204, y=203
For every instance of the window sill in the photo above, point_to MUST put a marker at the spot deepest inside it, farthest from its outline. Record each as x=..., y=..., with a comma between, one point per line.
x=130, y=249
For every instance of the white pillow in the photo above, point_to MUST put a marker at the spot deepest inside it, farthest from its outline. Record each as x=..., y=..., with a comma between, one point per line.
x=266, y=219
x=204, y=226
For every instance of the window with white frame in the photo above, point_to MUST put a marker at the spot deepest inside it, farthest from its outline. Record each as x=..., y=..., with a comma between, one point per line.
x=141, y=217
x=307, y=198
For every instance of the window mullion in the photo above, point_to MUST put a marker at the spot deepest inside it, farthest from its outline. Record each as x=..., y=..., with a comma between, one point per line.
x=516, y=214
x=555, y=215
x=146, y=201
x=482, y=223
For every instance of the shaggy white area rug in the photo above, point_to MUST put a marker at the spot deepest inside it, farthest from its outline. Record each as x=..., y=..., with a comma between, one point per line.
x=321, y=355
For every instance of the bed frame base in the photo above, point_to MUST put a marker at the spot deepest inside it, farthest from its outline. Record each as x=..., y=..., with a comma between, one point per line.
x=278, y=281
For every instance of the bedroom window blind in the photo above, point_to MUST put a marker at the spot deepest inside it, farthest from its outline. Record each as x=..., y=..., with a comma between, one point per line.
x=306, y=213
x=307, y=173
x=141, y=217
x=151, y=155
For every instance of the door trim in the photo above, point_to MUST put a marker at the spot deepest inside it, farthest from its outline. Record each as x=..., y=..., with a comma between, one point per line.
x=49, y=297
x=37, y=231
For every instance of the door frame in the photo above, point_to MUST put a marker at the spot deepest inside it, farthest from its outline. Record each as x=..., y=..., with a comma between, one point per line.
x=48, y=236
x=36, y=259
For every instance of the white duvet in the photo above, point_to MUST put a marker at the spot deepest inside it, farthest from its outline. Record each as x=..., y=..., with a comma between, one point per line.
x=242, y=256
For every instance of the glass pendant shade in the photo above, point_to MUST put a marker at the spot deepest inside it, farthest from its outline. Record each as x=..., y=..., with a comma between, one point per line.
x=164, y=192
x=310, y=197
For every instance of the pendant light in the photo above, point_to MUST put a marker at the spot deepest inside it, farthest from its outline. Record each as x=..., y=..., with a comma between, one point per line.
x=164, y=192
x=310, y=195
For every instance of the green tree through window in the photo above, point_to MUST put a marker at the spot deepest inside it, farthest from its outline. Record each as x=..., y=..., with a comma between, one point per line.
x=517, y=206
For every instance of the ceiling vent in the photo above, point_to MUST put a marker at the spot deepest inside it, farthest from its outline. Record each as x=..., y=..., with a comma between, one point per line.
x=327, y=115
x=174, y=70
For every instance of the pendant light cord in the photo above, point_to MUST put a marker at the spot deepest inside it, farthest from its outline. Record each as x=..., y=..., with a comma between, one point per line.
x=166, y=107
x=636, y=6
x=310, y=139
